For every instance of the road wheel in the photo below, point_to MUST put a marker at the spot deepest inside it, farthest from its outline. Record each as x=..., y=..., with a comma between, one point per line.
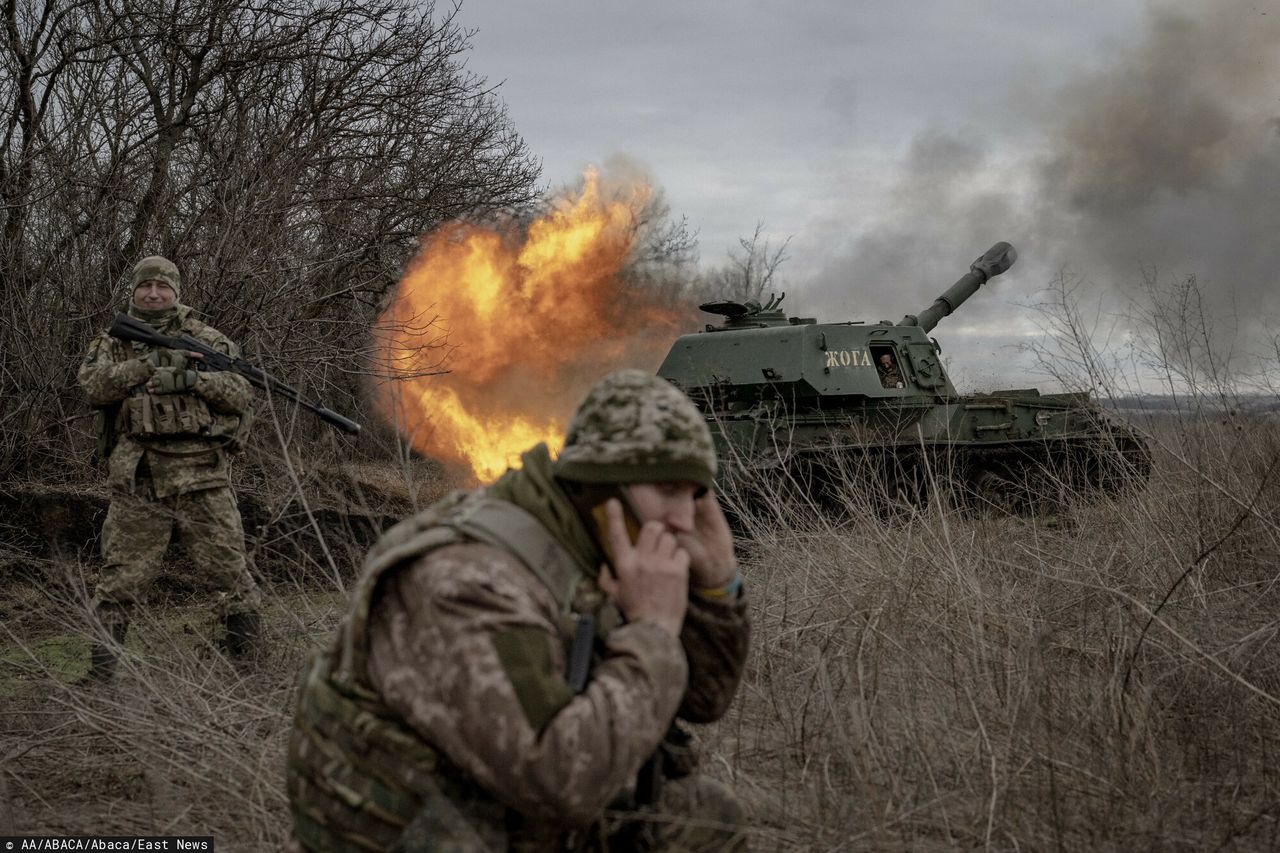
x=993, y=491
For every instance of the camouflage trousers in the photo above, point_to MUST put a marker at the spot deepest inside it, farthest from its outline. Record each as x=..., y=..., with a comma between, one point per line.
x=693, y=814
x=136, y=535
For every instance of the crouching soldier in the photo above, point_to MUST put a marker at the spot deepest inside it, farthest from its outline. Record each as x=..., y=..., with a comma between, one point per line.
x=514, y=660
x=167, y=432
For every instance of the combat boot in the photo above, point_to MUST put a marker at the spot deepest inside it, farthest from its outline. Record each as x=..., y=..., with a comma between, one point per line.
x=103, y=654
x=241, y=640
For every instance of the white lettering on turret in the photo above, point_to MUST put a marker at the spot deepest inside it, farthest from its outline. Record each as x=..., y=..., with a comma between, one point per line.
x=849, y=358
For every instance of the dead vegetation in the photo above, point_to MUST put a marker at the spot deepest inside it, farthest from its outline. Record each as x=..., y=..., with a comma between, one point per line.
x=945, y=681
x=939, y=680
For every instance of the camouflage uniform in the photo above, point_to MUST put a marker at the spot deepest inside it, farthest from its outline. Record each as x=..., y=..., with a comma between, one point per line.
x=442, y=718
x=168, y=467
x=890, y=376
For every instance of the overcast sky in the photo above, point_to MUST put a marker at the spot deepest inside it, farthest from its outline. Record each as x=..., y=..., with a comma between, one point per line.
x=895, y=142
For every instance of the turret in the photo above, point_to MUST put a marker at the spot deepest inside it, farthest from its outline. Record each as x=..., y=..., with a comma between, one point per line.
x=749, y=314
x=996, y=260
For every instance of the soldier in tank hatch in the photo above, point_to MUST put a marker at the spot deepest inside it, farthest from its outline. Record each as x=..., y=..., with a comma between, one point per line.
x=887, y=368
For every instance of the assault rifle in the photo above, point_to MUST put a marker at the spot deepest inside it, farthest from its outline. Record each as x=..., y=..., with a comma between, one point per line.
x=128, y=328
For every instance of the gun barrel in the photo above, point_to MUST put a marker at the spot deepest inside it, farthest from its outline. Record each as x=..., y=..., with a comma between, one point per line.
x=129, y=328
x=996, y=260
x=331, y=417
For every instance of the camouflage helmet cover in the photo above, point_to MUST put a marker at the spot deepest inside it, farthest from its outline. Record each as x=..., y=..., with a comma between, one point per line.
x=635, y=427
x=160, y=269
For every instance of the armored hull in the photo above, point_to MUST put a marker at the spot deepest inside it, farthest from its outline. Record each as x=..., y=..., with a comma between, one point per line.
x=829, y=407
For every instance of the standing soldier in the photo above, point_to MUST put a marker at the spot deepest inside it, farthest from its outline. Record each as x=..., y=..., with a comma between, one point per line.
x=513, y=659
x=166, y=430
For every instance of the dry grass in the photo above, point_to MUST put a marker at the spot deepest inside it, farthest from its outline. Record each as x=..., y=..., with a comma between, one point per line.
x=182, y=742
x=941, y=680
x=948, y=681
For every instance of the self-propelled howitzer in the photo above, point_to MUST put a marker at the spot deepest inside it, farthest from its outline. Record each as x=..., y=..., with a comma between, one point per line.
x=869, y=406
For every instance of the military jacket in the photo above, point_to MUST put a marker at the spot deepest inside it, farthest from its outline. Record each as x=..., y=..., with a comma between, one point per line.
x=466, y=655
x=175, y=442
x=890, y=377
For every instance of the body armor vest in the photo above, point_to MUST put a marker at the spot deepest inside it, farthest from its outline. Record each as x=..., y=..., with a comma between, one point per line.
x=145, y=416
x=183, y=415
x=359, y=778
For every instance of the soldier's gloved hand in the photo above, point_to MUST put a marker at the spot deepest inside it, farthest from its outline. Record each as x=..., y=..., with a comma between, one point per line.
x=136, y=370
x=167, y=358
x=172, y=380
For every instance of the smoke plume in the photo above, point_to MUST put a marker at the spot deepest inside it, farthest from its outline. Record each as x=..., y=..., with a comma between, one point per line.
x=1164, y=160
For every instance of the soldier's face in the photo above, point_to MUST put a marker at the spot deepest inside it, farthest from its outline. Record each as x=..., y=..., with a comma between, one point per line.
x=671, y=503
x=886, y=360
x=154, y=295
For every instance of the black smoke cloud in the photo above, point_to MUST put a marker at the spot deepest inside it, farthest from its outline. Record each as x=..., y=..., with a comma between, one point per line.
x=946, y=209
x=1167, y=160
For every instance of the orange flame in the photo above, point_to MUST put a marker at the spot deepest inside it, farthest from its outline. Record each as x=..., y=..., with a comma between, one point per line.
x=531, y=318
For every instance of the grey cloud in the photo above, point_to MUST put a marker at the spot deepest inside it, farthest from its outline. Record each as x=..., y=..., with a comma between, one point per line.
x=1166, y=157
x=1169, y=159
x=940, y=215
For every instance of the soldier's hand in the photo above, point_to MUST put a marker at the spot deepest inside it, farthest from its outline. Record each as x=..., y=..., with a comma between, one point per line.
x=712, y=562
x=172, y=380
x=167, y=358
x=140, y=370
x=650, y=579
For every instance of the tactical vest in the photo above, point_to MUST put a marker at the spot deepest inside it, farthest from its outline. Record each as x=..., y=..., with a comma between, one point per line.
x=358, y=776
x=144, y=416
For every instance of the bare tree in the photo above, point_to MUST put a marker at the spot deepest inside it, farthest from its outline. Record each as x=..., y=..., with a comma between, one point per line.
x=286, y=154
x=750, y=271
x=664, y=254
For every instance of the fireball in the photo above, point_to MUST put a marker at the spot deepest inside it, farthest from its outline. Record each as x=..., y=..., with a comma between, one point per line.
x=530, y=317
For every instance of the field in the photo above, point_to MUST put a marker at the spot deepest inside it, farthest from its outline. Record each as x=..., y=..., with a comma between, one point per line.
x=1104, y=678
